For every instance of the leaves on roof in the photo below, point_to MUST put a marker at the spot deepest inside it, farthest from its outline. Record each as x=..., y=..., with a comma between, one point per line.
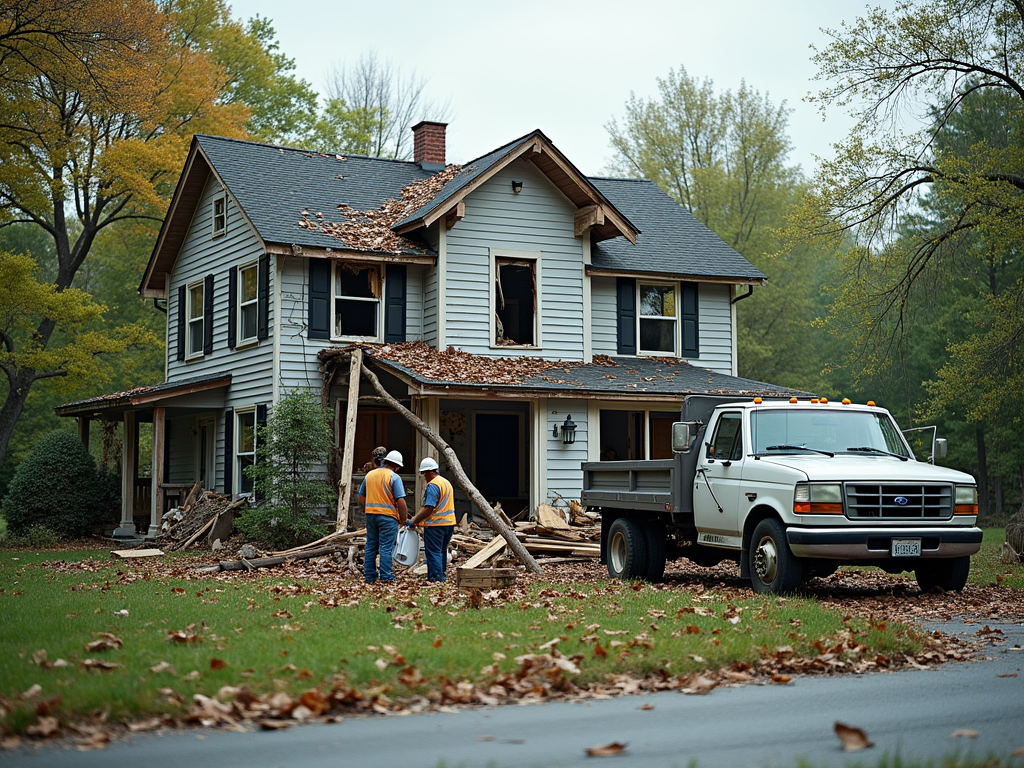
x=371, y=230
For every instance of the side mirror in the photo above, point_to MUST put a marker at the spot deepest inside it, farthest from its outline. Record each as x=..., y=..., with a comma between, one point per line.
x=683, y=434
x=939, y=449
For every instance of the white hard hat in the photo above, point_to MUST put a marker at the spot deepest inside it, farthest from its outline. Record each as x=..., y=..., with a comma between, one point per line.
x=428, y=465
x=395, y=458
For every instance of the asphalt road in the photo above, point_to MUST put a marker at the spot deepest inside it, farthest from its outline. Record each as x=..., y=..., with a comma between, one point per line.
x=912, y=714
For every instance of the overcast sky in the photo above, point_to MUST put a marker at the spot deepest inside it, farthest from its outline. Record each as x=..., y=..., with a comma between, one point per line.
x=568, y=67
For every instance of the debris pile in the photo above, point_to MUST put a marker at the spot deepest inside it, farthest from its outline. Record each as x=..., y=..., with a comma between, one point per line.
x=202, y=512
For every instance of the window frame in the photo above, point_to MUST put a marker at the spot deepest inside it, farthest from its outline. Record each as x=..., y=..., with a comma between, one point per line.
x=221, y=201
x=238, y=455
x=379, y=301
x=497, y=256
x=192, y=320
x=251, y=304
x=640, y=317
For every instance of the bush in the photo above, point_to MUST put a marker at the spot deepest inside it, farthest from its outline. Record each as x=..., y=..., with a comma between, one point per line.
x=36, y=537
x=290, y=450
x=57, y=486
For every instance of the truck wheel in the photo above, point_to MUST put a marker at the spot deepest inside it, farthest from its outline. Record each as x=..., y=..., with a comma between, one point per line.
x=627, y=550
x=654, y=532
x=773, y=567
x=949, y=574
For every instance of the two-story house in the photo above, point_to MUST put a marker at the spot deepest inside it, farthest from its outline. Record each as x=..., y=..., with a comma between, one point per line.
x=501, y=301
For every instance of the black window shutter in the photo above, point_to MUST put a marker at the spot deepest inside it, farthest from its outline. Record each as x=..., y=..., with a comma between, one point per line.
x=208, y=315
x=229, y=451
x=232, y=307
x=319, y=299
x=691, y=336
x=263, y=298
x=394, y=304
x=626, y=306
x=181, y=323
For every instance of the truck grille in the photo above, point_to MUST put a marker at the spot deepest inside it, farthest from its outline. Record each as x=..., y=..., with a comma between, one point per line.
x=898, y=502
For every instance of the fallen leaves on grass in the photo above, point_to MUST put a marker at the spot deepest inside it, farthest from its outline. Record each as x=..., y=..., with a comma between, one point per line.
x=104, y=642
x=607, y=750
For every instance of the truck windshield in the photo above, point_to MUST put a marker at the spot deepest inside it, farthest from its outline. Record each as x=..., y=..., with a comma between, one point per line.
x=777, y=430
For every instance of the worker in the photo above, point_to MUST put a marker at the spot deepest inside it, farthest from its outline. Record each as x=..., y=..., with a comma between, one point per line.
x=376, y=460
x=382, y=495
x=437, y=518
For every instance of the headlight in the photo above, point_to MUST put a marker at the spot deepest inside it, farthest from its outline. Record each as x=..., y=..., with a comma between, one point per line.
x=818, y=499
x=965, y=500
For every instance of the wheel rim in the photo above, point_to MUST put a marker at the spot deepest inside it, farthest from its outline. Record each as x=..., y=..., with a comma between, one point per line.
x=617, y=552
x=766, y=560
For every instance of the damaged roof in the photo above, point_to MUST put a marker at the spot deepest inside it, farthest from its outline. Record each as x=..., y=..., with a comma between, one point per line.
x=457, y=371
x=144, y=395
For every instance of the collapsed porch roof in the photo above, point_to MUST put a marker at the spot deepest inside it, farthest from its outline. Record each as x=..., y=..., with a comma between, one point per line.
x=452, y=373
x=165, y=395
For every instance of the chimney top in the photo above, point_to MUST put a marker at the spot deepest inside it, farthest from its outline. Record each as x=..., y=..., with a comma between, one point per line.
x=428, y=145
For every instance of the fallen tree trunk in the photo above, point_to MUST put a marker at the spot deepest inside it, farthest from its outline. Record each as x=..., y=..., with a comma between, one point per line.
x=461, y=478
x=263, y=562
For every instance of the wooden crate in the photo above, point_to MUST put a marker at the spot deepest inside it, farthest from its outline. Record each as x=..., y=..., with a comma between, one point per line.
x=485, y=578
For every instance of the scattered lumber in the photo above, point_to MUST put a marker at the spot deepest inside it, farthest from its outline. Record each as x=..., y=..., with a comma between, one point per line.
x=202, y=512
x=263, y=562
x=496, y=545
x=549, y=517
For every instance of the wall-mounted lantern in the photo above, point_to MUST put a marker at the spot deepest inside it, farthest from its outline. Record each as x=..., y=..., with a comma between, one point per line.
x=517, y=187
x=568, y=431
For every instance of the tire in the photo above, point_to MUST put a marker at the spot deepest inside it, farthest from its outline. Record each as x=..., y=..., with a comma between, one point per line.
x=948, y=574
x=774, y=569
x=627, y=550
x=654, y=532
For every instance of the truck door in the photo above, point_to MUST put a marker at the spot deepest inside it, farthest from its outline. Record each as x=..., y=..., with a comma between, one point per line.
x=716, y=485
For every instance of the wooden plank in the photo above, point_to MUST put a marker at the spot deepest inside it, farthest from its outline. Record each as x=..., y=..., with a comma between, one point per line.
x=485, y=578
x=496, y=545
x=549, y=517
x=131, y=554
x=352, y=410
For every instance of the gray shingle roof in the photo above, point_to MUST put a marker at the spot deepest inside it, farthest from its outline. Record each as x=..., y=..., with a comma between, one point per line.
x=640, y=377
x=273, y=185
x=671, y=240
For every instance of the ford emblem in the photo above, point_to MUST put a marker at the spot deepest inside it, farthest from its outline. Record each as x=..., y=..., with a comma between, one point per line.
x=902, y=500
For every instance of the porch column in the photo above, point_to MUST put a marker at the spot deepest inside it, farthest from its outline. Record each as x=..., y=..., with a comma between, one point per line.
x=128, y=444
x=83, y=430
x=156, y=495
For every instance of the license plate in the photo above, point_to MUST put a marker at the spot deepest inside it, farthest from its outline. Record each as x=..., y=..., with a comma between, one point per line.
x=906, y=547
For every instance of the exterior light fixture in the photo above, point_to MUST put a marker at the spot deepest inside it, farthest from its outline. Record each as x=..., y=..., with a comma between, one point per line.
x=568, y=431
x=517, y=187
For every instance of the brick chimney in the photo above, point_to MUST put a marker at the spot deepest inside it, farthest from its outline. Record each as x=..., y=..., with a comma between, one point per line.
x=428, y=145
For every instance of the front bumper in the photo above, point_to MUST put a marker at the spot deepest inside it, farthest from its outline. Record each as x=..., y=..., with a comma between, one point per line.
x=876, y=543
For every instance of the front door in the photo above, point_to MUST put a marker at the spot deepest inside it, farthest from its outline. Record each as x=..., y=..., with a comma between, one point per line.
x=497, y=455
x=716, y=487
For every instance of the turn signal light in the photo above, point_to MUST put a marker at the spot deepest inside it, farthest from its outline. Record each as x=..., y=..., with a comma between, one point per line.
x=965, y=509
x=817, y=508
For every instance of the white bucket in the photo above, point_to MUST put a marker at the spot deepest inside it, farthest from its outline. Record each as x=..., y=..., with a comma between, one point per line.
x=407, y=548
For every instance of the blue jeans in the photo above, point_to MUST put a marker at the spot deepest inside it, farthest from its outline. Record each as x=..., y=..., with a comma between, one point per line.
x=381, y=534
x=435, y=549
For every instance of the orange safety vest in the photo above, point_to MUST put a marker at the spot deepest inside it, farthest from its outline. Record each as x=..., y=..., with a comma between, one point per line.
x=379, y=499
x=444, y=512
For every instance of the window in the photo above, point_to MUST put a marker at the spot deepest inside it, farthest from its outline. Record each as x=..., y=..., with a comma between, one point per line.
x=220, y=216
x=245, y=449
x=357, y=302
x=657, y=319
x=248, y=302
x=727, y=444
x=515, y=302
x=196, y=318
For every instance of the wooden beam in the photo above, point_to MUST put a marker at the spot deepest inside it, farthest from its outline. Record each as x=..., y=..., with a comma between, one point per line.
x=347, y=457
x=458, y=213
x=587, y=217
x=496, y=545
x=156, y=502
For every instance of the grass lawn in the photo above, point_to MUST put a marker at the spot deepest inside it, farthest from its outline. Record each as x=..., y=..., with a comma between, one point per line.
x=162, y=634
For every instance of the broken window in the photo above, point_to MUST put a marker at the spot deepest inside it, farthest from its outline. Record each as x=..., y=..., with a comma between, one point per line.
x=515, y=302
x=357, y=292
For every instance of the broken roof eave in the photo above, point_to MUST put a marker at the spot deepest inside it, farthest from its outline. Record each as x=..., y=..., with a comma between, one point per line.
x=404, y=257
x=144, y=396
x=616, y=222
x=726, y=279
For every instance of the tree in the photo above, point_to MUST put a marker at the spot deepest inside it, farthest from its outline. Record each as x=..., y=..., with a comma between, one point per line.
x=384, y=104
x=296, y=440
x=928, y=188
x=340, y=129
x=81, y=151
x=722, y=156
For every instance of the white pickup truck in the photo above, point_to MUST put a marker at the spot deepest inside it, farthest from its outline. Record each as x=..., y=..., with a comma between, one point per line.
x=791, y=489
